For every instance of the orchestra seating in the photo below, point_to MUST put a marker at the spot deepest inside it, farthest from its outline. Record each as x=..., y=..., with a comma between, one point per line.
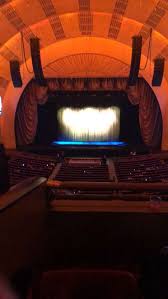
x=149, y=169
x=24, y=166
x=83, y=172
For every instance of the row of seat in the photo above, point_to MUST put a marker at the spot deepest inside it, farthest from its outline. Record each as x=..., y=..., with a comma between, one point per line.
x=89, y=172
x=147, y=170
x=85, y=283
x=24, y=167
x=127, y=170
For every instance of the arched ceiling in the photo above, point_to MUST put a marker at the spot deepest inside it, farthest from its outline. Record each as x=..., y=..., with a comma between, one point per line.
x=54, y=21
x=80, y=38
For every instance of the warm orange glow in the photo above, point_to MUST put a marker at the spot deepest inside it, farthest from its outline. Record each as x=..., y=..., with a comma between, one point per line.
x=100, y=46
x=103, y=56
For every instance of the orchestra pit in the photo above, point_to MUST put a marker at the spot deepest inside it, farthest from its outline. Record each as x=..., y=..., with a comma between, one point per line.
x=83, y=149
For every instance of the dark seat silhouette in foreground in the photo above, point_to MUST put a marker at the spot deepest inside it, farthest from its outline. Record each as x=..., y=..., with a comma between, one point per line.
x=86, y=284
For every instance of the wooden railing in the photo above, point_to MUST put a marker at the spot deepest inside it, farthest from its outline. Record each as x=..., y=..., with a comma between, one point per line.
x=19, y=190
x=107, y=186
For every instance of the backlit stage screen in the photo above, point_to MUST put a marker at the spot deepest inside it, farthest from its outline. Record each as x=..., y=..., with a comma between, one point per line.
x=80, y=118
x=89, y=124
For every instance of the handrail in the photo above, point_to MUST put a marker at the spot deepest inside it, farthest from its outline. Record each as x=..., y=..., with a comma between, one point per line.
x=107, y=185
x=19, y=190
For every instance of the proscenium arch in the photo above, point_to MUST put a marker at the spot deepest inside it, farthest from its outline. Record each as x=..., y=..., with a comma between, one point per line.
x=101, y=46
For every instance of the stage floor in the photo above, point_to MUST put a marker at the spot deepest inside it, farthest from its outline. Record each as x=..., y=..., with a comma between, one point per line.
x=89, y=143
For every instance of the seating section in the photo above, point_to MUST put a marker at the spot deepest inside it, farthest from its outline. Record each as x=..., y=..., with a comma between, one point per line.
x=141, y=169
x=83, y=172
x=22, y=167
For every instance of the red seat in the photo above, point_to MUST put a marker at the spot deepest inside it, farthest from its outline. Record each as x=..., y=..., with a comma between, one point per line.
x=86, y=284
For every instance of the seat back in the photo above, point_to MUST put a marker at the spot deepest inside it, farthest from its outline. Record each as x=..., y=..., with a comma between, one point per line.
x=82, y=284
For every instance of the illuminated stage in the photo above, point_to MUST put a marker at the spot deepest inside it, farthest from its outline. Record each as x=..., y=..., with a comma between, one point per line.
x=89, y=126
x=93, y=121
x=90, y=148
x=91, y=143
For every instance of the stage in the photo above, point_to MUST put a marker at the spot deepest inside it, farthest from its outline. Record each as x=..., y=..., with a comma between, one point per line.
x=86, y=150
x=89, y=143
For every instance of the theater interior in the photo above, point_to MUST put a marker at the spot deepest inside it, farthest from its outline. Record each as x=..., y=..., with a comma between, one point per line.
x=83, y=149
